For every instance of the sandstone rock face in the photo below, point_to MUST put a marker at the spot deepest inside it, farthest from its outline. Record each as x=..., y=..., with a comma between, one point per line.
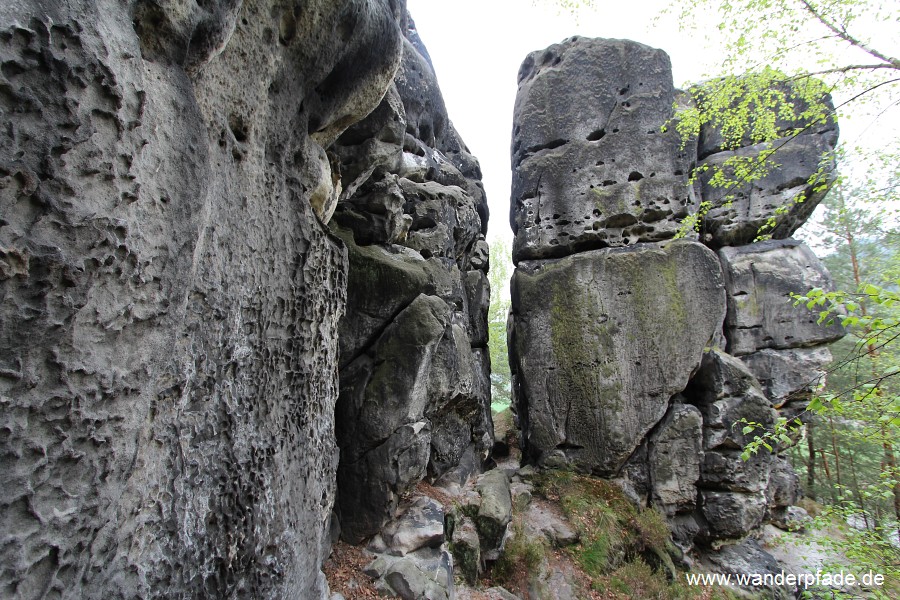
x=170, y=348
x=591, y=165
x=414, y=375
x=624, y=362
x=789, y=377
x=170, y=344
x=795, y=181
x=784, y=485
x=602, y=340
x=759, y=279
x=676, y=452
x=733, y=490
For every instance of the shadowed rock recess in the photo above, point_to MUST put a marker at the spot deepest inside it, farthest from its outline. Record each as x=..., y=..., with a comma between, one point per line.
x=633, y=353
x=172, y=337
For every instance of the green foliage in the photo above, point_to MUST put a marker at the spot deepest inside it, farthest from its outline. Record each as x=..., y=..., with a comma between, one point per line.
x=573, y=7
x=754, y=107
x=773, y=440
x=612, y=530
x=848, y=459
x=499, y=274
x=778, y=72
x=522, y=555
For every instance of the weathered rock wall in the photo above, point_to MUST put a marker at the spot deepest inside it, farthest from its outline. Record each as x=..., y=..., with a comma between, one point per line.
x=171, y=297
x=415, y=390
x=634, y=355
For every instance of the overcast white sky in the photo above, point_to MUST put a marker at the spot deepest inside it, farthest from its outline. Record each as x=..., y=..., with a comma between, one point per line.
x=477, y=46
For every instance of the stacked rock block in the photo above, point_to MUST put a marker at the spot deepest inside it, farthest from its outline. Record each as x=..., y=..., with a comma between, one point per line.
x=634, y=353
x=414, y=366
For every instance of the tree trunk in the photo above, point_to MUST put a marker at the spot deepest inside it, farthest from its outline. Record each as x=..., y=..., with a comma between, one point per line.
x=855, y=483
x=837, y=455
x=890, y=468
x=811, y=463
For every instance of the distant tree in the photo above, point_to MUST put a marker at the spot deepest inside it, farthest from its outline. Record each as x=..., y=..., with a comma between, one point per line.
x=499, y=274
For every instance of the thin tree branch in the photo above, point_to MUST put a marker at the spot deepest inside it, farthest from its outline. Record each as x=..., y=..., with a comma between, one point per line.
x=842, y=33
x=845, y=69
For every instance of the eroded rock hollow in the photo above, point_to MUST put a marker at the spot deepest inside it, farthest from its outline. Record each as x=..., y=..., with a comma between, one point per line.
x=635, y=353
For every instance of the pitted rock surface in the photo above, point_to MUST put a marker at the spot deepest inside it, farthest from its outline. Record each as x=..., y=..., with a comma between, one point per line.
x=170, y=340
x=607, y=375
x=795, y=179
x=592, y=164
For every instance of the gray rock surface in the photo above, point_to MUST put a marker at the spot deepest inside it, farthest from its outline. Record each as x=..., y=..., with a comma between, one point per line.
x=591, y=165
x=732, y=514
x=784, y=485
x=169, y=343
x=548, y=582
x=420, y=525
x=759, y=279
x=412, y=213
x=380, y=424
x=749, y=557
x=789, y=189
x=610, y=320
x=732, y=490
x=789, y=518
x=789, y=376
x=725, y=470
x=467, y=549
x=495, y=509
x=426, y=574
x=601, y=340
x=541, y=521
x=676, y=452
x=725, y=392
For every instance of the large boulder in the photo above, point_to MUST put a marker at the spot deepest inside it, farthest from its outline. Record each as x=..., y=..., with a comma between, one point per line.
x=789, y=377
x=726, y=392
x=784, y=485
x=732, y=515
x=601, y=340
x=592, y=164
x=733, y=500
x=385, y=441
x=495, y=509
x=759, y=280
x=748, y=557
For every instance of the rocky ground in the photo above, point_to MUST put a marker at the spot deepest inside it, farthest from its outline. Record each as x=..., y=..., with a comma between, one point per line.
x=514, y=533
